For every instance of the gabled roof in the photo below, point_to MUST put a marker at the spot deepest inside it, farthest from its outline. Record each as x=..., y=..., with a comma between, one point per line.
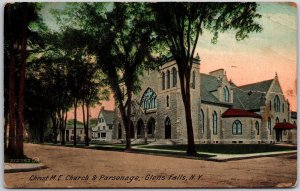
x=262, y=86
x=239, y=113
x=251, y=96
x=208, y=85
x=284, y=125
x=108, y=116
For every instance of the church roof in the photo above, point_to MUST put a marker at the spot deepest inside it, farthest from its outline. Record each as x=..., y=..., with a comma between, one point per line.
x=284, y=125
x=251, y=96
x=209, y=84
x=262, y=86
x=239, y=113
x=108, y=116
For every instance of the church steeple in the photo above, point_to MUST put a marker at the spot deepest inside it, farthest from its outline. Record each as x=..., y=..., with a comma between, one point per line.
x=276, y=76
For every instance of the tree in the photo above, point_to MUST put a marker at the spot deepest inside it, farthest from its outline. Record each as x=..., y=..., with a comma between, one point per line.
x=48, y=74
x=181, y=25
x=18, y=17
x=120, y=36
x=85, y=81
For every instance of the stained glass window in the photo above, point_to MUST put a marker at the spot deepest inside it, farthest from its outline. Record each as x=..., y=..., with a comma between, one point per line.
x=237, y=128
x=277, y=103
x=148, y=100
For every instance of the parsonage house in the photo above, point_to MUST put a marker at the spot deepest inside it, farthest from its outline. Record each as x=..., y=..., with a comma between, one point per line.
x=222, y=112
x=102, y=132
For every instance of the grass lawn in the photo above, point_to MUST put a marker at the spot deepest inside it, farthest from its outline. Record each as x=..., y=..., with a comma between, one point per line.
x=140, y=149
x=228, y=148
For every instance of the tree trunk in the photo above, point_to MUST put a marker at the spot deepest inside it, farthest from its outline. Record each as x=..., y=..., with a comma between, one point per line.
x=62, y=127
x=86, y=128
x=5, y=129
x=191, y=150
x=129, y=124
x=12, y=117
x=54, y=127
x=20, y=127
x=42, y=133
x=127, y=128
x=65, y=125
x=63, y=135
x=75, y=122
x=184, y=77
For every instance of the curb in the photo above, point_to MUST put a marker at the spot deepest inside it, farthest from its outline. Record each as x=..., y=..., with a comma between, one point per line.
x=40, y=166
x=250, y=157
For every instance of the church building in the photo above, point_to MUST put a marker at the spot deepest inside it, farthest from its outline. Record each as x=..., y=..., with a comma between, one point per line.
x=222, y=112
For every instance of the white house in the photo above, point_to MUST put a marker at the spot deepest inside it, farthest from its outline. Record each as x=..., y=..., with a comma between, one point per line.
x=103, y=130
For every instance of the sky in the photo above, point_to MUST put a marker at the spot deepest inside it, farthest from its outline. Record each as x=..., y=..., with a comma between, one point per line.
x=257, y=58
x=261, y=55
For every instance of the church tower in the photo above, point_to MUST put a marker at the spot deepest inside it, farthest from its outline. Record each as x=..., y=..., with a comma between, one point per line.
x=171, y=113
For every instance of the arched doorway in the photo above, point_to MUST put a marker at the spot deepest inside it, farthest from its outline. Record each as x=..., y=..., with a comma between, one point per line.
x=119, y=131
x=140, y=129
x=167, y=128
x=132, y=131
x=151, y=127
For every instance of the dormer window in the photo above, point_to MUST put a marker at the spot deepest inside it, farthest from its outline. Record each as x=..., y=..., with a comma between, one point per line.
x=226, y=94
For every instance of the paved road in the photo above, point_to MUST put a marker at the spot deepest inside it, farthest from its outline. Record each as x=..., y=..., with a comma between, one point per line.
x=75, y=167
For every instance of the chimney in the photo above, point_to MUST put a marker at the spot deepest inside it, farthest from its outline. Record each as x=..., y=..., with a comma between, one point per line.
x=102, y=108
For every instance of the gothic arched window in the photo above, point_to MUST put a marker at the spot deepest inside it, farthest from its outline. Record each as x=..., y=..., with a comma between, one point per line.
x=257, y=127
x=237, y=127
x=277, y=120
x=226, y=94
x=168, y=79
x=202, y=120
x=193, y=80
x=168, y=101
x=163, y=81
x=148, y=100
x=174, y=73
x=215, y=123
x=277, y=103
x=269, y=125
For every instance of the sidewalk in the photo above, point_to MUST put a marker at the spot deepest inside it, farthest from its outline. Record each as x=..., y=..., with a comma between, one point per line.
x=22, y=167
x=224, y=157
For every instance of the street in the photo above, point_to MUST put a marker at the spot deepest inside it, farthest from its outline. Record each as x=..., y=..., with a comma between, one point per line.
x=76, y=167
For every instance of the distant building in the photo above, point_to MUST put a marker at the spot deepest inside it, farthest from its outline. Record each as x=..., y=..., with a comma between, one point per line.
x=69, y=133
x=222, y=112
x=103, y=129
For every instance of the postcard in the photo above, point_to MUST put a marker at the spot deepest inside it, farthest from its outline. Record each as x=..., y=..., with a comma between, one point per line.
x=150, y=95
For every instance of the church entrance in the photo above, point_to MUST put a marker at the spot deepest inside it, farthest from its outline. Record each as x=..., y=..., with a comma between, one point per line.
x=278, y=135
x=140, y=129
x=151, y=127
x=168, y=128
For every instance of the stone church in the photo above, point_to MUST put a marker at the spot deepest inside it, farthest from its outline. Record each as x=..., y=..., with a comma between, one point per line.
x=222, y=112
